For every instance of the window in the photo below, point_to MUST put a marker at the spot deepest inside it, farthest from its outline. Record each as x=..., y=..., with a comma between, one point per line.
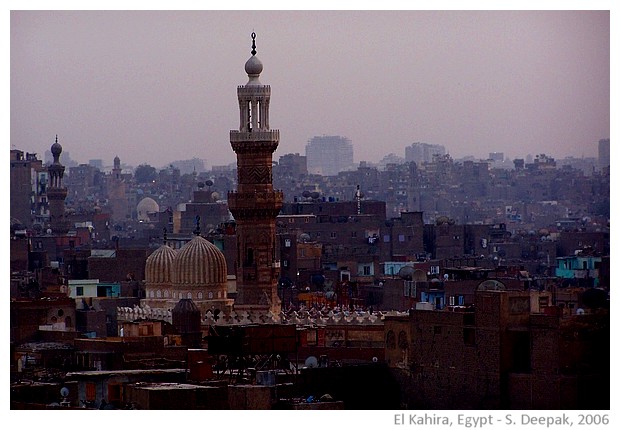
x=200, y=295
x=210, y=295
x=158, y=294
x=302, y=252
x=469, y=336
x=79, y=291
x=451, y=301
x=401, y=237
x=434, y=270
x=386, y=238
x=287, y=243
x=367, y=271
x=189, y=295
x=333, y=235
x=353, y=234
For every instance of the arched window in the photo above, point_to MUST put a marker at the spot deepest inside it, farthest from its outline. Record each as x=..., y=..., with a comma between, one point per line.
x=200, y=295
x=174, y=294
x=189, y=295
x=158, y=294
x=166, y=294
x=210, y=294
x=68, y=321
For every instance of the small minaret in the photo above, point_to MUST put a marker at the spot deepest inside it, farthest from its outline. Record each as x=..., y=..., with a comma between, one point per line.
x=56, y=192
x=255, y=204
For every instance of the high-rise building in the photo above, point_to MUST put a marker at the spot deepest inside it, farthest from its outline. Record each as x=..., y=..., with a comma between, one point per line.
x=603, y=153
x=329, y=155
x=255, y=204
x=423, y=152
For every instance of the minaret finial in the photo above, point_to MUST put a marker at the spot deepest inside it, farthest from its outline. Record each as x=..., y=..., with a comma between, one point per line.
x=56, y=138
x=253, y=43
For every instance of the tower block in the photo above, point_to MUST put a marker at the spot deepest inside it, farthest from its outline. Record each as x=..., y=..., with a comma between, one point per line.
x=255, y=204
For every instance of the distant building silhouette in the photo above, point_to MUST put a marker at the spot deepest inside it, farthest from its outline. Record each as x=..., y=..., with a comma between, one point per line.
x=423, y=152
x=329, y=155
x=603, y=153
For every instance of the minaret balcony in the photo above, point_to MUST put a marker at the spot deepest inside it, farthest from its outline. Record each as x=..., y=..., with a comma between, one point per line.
x=258, y=136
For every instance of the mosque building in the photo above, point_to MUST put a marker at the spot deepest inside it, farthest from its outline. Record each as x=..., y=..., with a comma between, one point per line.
x=198, y=270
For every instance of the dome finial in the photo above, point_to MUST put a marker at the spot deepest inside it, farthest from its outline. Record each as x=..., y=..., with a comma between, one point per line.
x=56, y=139
x=253, y=43
x=165, y=236
x=197, y=229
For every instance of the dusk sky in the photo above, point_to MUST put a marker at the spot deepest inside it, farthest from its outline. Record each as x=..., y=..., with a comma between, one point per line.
x=154, y=87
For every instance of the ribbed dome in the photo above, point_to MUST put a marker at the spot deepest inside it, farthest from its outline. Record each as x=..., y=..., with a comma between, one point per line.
x=199, y=263
x=159, y=266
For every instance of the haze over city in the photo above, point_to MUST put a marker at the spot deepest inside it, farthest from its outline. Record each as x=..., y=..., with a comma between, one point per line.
x=157, y=86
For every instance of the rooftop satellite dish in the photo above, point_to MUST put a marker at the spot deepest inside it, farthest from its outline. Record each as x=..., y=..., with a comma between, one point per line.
x=64, y=391
x=311, y=362
x=406, y=272
x=491, y=285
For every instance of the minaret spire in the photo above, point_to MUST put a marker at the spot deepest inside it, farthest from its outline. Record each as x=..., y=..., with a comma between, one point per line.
x=253, y=43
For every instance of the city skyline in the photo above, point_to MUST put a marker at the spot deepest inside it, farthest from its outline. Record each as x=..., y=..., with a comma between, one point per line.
x=154, y=87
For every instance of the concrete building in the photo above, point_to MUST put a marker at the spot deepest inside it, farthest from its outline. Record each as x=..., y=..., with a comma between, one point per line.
x=28, y=179
x=329, y=155
x=423, y=152
x=501, y=355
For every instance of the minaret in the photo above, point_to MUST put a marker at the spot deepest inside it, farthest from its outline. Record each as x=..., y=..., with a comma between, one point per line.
x=116, y=171
x=255, y=204
x=56, y=192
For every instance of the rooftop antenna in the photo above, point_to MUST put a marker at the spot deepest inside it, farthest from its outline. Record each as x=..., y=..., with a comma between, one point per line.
x=358, y=198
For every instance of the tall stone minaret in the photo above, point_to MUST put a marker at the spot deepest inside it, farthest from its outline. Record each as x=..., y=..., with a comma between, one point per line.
x=57, y=192
x=255, y=204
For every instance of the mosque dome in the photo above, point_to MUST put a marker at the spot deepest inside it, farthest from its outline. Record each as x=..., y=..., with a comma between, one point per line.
x=145, y=206
x=159, y=264
x=56, y=150
x=199, y=263
x=253, y=66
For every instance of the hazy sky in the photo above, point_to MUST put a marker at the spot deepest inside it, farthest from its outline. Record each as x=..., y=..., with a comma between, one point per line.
x=160, y=86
